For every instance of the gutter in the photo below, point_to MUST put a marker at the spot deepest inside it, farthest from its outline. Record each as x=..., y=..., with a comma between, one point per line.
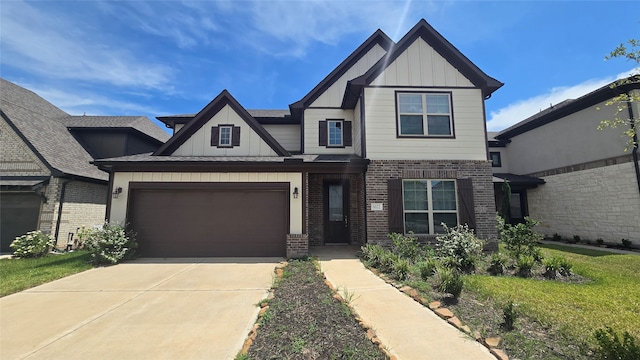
x=59, y=219
x=634, y=152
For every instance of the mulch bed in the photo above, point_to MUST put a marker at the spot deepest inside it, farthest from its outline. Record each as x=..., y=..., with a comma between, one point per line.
x=304, y=321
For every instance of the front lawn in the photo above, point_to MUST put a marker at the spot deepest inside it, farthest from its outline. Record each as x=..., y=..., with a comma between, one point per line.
x=611, y=299
x=20, y=274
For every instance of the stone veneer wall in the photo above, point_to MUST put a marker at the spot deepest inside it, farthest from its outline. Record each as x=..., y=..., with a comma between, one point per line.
x=315, y=206
x=380, y=171
x=602, y=202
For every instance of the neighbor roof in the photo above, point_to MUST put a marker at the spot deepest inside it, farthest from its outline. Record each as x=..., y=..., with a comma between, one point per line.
x=262, y=116
x=140, y=123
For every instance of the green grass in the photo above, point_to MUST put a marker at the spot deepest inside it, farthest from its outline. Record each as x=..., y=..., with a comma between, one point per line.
x=20, y=274
x=612, y=298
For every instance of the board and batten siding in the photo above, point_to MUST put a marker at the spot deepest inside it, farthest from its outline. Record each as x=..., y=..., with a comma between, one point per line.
x=468, y=123
x=357, y=132
x=421, y=65
x=332, y=97
x=312, y=117
x=122, y=179
x=287, y=135
x=199, y=144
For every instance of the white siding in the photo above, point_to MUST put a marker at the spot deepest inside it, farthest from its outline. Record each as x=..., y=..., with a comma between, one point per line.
x=357, y=138
x=287, y=135
x=199, y=144
x=312, y=117
x=119, y=205
x=421, y=65
x=571, y=140
x=383, y=144
x=177, y=128
x=332, y=97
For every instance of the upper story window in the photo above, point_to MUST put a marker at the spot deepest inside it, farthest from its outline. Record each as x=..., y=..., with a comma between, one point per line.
x=424, y=114
x=334, y=133
x=225, y=136
x=496, y=161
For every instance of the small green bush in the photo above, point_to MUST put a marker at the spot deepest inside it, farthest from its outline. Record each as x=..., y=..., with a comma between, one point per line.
x=626, y=243
x=400, y=268
x=599, y=241
x=448, y=280
x=519, y=239
x=460, y=243
x=498, y=264
x=576, y=239
x=510, y=315
x=387, y=261
x=372, y=254
x=564, y=266
x=524, y=264
x=551, y=267
x=557, y=237
x=406, y=246
x=612, y=347
x=110, y=244
x=32, y=244
x=427, y=267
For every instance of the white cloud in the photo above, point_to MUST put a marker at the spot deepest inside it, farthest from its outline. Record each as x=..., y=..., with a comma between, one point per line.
x=58, y=47
x=522, y=109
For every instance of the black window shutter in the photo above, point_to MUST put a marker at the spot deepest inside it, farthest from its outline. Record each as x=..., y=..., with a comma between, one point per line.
x=322, y=133
x=465, y=203
x=396, y=222
x=347, y=134
x=235, y=138
x=215, y=136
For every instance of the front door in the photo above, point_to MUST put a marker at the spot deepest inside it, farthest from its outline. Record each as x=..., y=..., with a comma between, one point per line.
x=336, y=212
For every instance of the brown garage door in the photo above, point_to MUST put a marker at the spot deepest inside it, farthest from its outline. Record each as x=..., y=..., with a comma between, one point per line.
x=20, y=213
x=193, y=220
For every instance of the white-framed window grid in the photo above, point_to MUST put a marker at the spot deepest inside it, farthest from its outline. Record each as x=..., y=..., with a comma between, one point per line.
x=225, y=134
x=427, y=203
x=424, y=114
x=335, y=131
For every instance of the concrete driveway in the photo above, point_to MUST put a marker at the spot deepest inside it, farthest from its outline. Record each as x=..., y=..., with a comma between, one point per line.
x=146, y=309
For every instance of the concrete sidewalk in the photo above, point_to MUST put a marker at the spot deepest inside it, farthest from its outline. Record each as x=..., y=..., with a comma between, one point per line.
x=408, y=329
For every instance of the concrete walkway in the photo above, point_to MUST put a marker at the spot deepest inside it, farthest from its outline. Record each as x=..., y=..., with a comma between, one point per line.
x=146, y=309
x=408, y=329
x=591, y=247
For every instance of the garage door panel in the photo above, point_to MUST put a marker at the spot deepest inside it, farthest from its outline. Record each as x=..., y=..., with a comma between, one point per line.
x=205, y=222
x=20, y=212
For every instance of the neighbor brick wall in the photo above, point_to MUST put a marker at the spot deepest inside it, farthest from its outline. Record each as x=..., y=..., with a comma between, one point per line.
x=602, y=202
x=16, y=159
x=380, y=171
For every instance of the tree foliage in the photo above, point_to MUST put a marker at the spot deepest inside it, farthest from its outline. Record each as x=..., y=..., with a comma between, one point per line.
x=630, y=51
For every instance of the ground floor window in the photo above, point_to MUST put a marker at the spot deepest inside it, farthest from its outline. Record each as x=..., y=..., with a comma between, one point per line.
x=427, y=204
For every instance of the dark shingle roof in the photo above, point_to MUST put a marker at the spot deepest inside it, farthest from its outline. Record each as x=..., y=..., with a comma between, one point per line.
x=140, y=123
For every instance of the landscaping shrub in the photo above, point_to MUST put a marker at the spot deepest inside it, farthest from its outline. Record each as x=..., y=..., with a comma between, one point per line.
x=519, y=239
x=32, y=244
x=599, y=241
x=612, y=347
x=448, y=280
x=110, y=244
x=557, y=237
x=387, y=261
x=576, y=239
x=510, y=315
x=564, y=266
x=400, y=268
x=551, y=267
x=406, y=246
x=626, y=243
x=461, y=244
x=524, y=264
x=427, y=267
x=372, y=253
x=498, y=264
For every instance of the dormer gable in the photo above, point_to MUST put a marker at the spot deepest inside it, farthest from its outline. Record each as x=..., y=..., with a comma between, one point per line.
x=424, y=40
x=222, y=128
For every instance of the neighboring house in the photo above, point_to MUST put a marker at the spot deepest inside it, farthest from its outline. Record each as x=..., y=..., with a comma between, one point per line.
x=47, y=181
x=392, y=140
x=573, y=178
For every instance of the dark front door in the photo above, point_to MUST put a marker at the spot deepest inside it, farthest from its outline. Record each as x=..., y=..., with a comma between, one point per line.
x=336, y=212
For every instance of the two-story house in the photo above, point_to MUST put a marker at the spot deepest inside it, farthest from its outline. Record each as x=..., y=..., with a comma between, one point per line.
x=47, y=181
x=392, y=140
x=574, y=178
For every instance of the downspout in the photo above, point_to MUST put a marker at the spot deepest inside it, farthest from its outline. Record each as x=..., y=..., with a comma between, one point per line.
x=59, y=220
x=634, y=152
x=363, y=151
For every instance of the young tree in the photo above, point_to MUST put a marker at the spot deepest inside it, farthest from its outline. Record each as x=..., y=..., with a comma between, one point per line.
x=630, y=51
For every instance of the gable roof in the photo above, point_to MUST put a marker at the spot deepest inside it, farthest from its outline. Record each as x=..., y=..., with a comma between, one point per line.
x=281, y=117
x=219, y=102
x=140, y=123
x=569, y=106
x=425, y=31
x=377, y=38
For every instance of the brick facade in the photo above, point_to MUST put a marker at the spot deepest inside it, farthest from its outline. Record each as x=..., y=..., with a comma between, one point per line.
x=297, y=245
x=380, y=171
x=17, y=159
x=316, y=207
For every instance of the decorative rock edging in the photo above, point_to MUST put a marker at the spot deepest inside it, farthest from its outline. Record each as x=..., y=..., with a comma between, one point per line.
x=490, y=343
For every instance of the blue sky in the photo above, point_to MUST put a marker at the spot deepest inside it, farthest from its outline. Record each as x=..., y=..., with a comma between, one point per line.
x=157, y=58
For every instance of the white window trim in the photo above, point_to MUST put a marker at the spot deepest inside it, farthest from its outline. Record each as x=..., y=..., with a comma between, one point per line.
x=220, y=143
x=430, y=211
x=425, y=114
x=329, y=144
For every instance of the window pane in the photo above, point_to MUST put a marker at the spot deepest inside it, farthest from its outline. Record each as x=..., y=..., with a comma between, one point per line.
x=438, y=104
x=418, y=223
x=335, y=202
x=335, y=133
x=439, y=125
x=410, y=103
x=415, y=195
x=450, y=220
x=515, y=208
x=411, y=125
x=444, y=195
x=225, y=136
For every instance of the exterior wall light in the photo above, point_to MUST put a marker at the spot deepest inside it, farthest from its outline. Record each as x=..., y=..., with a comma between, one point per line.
x=295, y=192
x=117, y=191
